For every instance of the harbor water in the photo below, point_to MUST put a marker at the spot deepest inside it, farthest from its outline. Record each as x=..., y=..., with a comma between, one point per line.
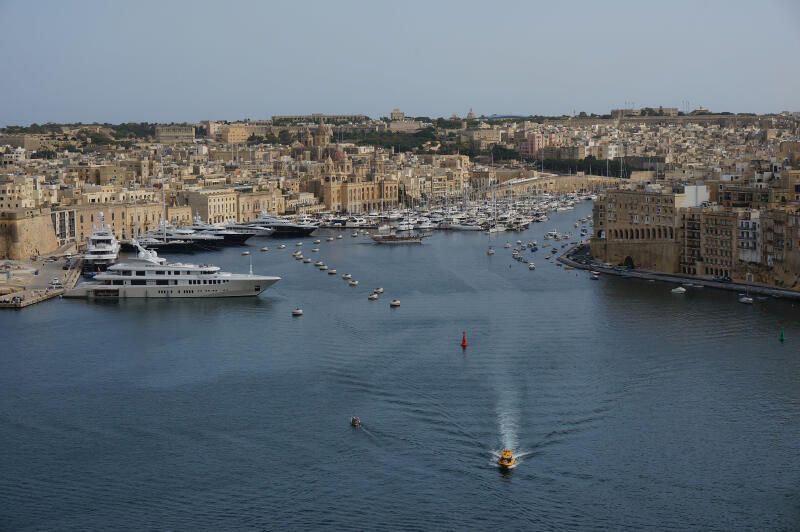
x=627, y=406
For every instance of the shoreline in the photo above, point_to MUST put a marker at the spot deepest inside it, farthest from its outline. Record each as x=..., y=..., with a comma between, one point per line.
x=734, y=286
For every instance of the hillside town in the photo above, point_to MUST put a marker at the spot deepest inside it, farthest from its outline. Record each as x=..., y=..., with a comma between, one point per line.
x=694, y=193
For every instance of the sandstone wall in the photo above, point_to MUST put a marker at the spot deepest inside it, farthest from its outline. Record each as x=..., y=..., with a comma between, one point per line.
x=657, y=256
x=27, y=234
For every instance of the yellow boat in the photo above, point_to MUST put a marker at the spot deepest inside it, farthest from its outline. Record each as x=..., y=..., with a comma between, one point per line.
x=506, y=459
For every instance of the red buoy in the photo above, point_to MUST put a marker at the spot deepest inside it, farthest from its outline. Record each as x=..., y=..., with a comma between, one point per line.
x=464, y=340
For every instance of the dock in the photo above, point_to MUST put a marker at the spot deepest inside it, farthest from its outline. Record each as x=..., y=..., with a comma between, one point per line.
x=38, y=287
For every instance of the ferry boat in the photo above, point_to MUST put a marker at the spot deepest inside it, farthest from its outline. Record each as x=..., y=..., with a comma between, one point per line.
x=151, y=276
x=398, y=238
x=102, y=248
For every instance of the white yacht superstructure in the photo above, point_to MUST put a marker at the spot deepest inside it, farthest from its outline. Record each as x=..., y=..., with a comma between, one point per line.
x=151, y=276
x=102, y=248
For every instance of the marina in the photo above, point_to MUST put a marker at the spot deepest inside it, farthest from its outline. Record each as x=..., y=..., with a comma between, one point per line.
x=574, y=376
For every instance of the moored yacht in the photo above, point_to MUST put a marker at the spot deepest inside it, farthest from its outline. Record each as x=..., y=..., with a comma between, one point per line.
x=102, y=248
x=282, y=227
x=149, y=275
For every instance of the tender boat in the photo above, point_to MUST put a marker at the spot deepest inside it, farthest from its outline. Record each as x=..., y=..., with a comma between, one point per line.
x=506, y=459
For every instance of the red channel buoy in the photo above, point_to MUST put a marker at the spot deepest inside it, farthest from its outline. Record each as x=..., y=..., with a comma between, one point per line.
x=464, y=340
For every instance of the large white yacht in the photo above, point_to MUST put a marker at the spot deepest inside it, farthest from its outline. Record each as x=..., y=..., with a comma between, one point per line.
x=151, y=276
x=102, y=248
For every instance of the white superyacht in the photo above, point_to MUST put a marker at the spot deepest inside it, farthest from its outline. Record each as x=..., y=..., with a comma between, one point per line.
x=102, y=248
x=151, y=276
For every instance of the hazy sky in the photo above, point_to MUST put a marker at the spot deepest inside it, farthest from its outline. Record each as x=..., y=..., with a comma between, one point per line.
x=161, y=61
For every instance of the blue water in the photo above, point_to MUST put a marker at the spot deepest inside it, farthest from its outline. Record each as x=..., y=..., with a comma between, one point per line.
x=628, y=407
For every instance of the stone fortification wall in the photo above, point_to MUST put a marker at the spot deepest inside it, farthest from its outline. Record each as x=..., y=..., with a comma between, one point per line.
x=656, y=256
x=26, y=232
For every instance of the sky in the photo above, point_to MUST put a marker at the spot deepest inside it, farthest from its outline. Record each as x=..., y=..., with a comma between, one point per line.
x=186, y=61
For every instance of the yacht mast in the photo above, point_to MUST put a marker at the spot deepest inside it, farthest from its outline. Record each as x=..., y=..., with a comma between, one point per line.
x=163, y=197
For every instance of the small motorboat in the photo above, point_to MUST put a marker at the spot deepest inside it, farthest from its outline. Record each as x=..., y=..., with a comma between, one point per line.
x=379, y=290
x=298, y=257
x=318, y=263
x=531, y=266
x=315, y=250
x=353, y=283
x=595, y=276
x=265, y=249
x=355, y=422
x=245, y=252
x=745, y=299
x=299, y=244
x=323, y=268
x=355, y=234
x=347, y=276
x=339, y=237
x=317, y=241
x=307, y=260
x=331, y=272
x=490, y=252
x=506, y=459
x=297, y=312
x=372, y=297
x=329, y=239
x=282, y=246
x=507, y=245
x=394, y=303
x=678, y=290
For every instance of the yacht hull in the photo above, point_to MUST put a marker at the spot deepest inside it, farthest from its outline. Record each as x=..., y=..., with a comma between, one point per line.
x=234, y=288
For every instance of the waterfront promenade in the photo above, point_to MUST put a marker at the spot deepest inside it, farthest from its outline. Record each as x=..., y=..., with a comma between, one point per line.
x=578, y=257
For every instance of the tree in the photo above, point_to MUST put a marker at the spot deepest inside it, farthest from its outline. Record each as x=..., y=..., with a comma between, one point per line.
x=284, y=136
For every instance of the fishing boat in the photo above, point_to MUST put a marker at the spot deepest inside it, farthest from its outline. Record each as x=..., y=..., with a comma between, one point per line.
x=506, y=459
